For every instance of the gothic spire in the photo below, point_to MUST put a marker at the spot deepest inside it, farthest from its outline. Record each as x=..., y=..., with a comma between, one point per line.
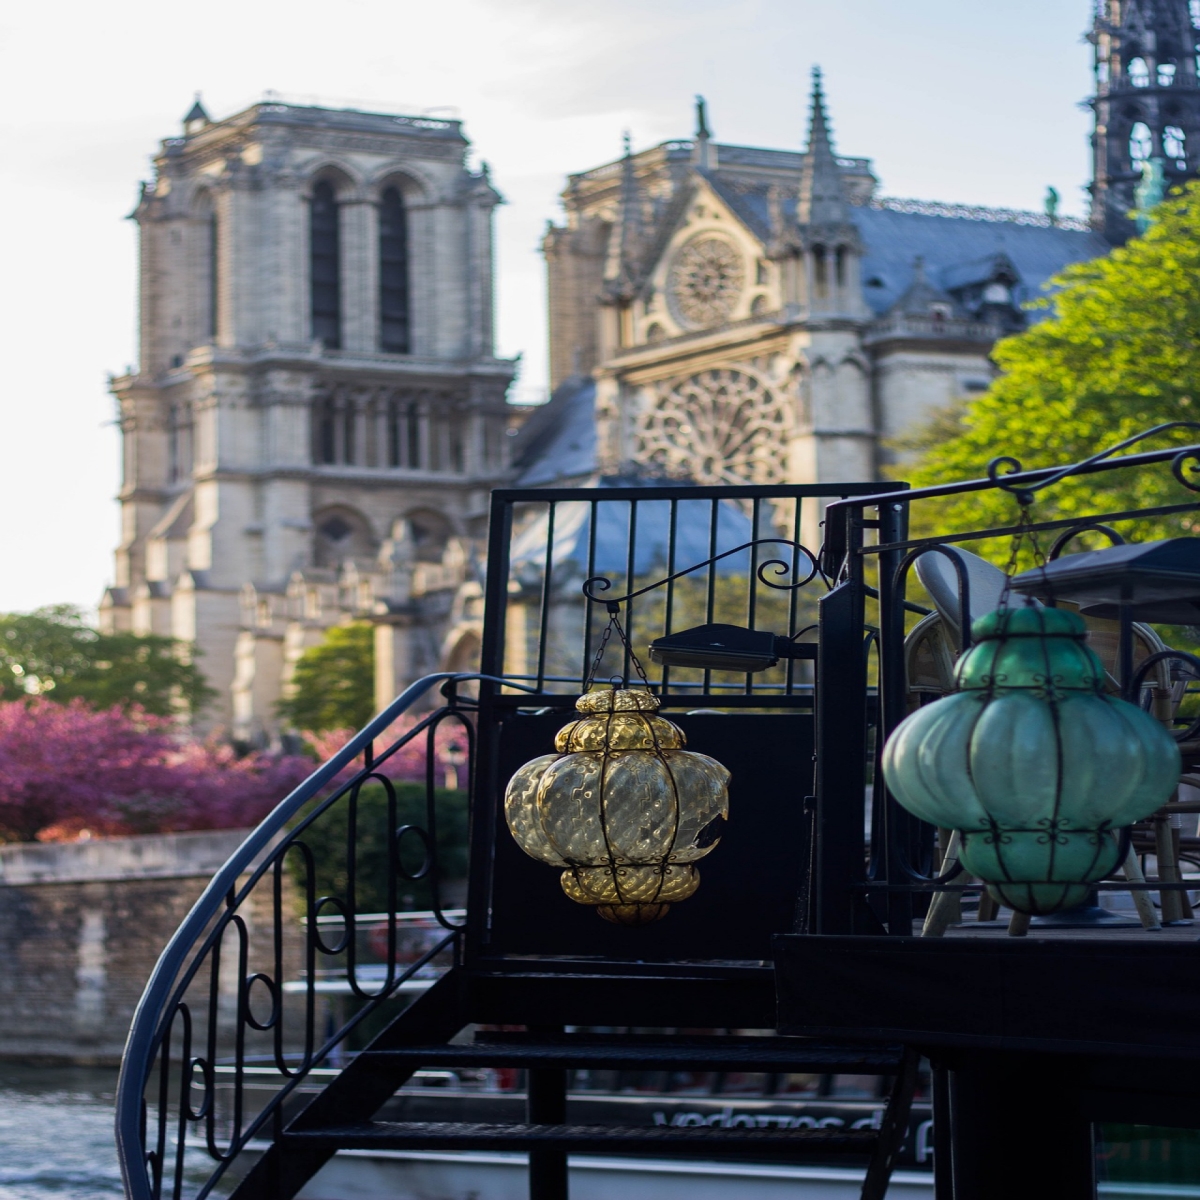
x=621, y=273
x=821, y=199
x=702, y=153
x=1146, y=100
x=196, y=117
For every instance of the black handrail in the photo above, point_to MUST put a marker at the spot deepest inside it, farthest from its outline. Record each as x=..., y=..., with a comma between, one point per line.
x=156, y=1011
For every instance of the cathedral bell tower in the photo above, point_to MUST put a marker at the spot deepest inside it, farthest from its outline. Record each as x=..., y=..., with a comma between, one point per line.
x=1147, y=106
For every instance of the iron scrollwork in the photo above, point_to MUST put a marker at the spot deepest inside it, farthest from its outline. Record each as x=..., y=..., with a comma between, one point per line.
x=600, y=583
x=1003, y=469
x=242, y=985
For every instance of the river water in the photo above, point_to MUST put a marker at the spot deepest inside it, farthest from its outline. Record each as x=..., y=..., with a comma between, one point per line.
x=56, y=1134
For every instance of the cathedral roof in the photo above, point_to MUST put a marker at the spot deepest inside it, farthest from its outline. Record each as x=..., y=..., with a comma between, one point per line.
x=957, y=250
x=558, y=441
x=609, y=553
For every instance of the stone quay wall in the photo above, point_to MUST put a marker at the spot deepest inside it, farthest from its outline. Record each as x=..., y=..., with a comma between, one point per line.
x=82, y=925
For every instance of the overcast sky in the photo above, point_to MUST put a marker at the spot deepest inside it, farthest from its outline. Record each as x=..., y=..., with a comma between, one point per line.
x=963, y=100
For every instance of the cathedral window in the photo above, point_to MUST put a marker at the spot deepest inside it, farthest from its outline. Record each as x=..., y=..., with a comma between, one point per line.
x=840, y=266
x=412, y=422
x=1166, y=74
x=1139, y=73
x=325, y=267
x=326, y=439
x=1175, y=145
x=393, y=434
x=820, y=270
x=393, y=274
x=348, y=422
x=1141, y=143
x=214, y=276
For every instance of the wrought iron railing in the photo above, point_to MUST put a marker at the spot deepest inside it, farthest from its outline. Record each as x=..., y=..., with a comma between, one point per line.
x=268, y=977
x=868, y=539
x=742, y=555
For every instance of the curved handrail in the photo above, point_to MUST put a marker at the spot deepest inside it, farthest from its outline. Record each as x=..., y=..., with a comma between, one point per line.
x=154, y=1014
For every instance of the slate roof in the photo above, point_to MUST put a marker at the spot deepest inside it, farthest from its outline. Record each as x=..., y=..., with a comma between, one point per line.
x=572, y=541
x=557, y=443
x=949, y=244
x=956, y=250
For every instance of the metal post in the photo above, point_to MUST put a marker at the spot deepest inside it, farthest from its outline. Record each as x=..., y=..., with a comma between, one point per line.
x=841, y=738
x=485, y=782
x=546, y=1104
x=900, y=829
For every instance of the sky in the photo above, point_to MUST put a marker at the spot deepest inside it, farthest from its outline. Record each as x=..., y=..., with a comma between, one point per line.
x=971, y=101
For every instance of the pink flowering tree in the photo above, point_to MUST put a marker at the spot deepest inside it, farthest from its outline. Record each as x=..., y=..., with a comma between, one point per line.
x=408, y=763
x=66, y=769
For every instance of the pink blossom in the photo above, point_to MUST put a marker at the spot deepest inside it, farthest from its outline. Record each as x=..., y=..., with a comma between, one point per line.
x=68, y=768
x=409, y=761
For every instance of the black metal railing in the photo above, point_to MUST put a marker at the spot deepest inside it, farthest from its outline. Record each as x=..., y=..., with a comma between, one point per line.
x=677, y=556
x=868, y=539
x=269, y=977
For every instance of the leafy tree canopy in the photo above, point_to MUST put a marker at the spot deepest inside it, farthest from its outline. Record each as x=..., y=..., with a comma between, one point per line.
x=334, y=681
x=53, y=653
x=1120, y=353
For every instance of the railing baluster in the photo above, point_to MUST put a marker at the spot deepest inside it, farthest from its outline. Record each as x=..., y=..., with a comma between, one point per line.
x=672, y=532
x=710, y=603
x=630, y=576
x=752, y=580
x=593, y=516
x=544, y=618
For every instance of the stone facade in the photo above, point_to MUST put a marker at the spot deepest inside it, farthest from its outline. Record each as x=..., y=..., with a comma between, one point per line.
x=82, y=925
x=756, y=315
x=318, y=415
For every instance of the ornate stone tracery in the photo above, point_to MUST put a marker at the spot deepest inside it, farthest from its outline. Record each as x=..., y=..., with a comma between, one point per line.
x=725, y=425
x=707, y=277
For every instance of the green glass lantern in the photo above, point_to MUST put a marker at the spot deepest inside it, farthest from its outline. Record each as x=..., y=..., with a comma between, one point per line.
x=1031, y=761
x=623, y=808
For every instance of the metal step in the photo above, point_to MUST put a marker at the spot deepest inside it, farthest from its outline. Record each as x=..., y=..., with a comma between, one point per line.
x=648, y=1052
x=656, y=1140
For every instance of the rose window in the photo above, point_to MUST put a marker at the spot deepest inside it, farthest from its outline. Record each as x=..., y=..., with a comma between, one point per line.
x=706, y=280
x=719, y=426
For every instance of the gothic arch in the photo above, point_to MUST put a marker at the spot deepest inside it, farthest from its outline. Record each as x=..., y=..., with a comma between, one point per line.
x=414, y=185
x=347, y=183
x=341, y=532
x=431, y=530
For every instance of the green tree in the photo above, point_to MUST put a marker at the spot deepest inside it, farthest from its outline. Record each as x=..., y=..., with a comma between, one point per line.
x=328, y=839
x=1119, y=352
x=53, y=652
x=334, y=681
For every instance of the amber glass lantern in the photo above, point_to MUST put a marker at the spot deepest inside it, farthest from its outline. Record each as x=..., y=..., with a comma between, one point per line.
x=622, y=807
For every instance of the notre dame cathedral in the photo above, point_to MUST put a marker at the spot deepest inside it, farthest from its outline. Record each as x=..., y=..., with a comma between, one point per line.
x=318, y=414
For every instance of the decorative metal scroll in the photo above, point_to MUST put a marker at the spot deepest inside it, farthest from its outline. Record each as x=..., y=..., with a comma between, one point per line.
x=1000, y=468
x=240, y=991
x=600, y=583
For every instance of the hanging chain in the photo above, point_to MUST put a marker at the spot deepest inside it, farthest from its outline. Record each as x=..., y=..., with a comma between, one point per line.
x=1024, y=533
x=614, y=622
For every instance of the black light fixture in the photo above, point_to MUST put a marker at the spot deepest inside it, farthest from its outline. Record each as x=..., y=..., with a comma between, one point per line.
x=727, y=648
x=1143, y=581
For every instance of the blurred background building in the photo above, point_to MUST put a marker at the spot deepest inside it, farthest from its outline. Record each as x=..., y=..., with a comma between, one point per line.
x=318, y=414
